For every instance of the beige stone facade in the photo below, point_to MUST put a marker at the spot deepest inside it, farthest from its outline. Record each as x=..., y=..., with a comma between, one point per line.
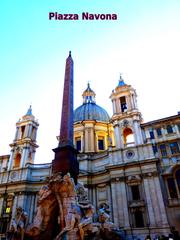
x=132, y=166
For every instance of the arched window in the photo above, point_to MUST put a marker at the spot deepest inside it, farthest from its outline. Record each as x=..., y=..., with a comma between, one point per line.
x=128, y=136
x=22, y=131
x=123, y=104
x=17, y=160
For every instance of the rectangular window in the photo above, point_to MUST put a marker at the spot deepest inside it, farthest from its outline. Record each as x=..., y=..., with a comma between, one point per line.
x=139, y=221
x=159, y=132
x=3, y=225
x=163, y=150
x=172, y=188
x=151, y=133
x=78, y=144
x=135, y=192
x=100, y=144
x=155, y=150
x=174, y=147
x=169, y=129
x=123, y=104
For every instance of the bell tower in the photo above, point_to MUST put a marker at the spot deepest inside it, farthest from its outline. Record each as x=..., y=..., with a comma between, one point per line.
x=126, y=116
x=24, y=145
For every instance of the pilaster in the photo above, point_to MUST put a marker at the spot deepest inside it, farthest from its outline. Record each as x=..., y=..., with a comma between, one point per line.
x=163, y=214
x=150, y=207
x=1, y=204
x=114, y=203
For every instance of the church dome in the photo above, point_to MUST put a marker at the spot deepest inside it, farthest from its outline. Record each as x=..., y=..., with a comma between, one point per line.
x=89, y=110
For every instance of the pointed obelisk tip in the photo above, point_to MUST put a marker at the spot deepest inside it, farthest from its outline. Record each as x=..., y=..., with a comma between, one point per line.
x=69, y=53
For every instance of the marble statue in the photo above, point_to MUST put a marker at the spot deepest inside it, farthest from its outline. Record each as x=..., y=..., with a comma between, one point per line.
x=64, y=212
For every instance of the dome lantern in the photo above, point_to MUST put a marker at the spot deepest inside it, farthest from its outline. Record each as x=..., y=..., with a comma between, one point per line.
x=88, y=95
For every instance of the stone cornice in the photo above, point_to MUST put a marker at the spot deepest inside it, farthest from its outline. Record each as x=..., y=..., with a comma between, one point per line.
x=158, y=121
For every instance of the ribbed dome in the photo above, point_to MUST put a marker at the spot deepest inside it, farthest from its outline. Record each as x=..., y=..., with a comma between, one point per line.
x=90, y=111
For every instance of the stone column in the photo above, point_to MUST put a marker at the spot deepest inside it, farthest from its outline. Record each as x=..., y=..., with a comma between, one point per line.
x=81, y=137
x=16, y=134
x=132, y=102
x=91, y=144
x=118, y=107
x=83, y=142
x=128, y=102
x=29, y=130
x=114, y=203
x=163, y=215
x=14, y=205
x=1, y=205
x=34, y=133
x=137, y=133
x=155, y=202
x=96, y=143
x=31, y=209
x=19, y=135
x=21, y=200
x=105, y=142
x=26, y=131
x=120, y=204
x=86, y=140
x=114, y=106
x=24, y=157
x=94, y=198
x=150, y=206
x=124, y=204
x=110, y=202
x=11, y=160
x=117, y=137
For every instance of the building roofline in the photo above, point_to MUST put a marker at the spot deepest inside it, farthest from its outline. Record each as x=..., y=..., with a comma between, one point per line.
x=161, y=120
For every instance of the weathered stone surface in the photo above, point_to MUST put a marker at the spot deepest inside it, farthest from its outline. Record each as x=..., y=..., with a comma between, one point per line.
x=64, y=212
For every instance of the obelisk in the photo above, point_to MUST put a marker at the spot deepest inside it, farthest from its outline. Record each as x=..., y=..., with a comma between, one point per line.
x=65, y=160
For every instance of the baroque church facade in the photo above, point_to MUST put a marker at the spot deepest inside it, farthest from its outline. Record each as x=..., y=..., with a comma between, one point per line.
x=132, y=166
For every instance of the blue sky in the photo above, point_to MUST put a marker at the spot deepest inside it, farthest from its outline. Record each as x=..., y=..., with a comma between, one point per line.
x=143, y=45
